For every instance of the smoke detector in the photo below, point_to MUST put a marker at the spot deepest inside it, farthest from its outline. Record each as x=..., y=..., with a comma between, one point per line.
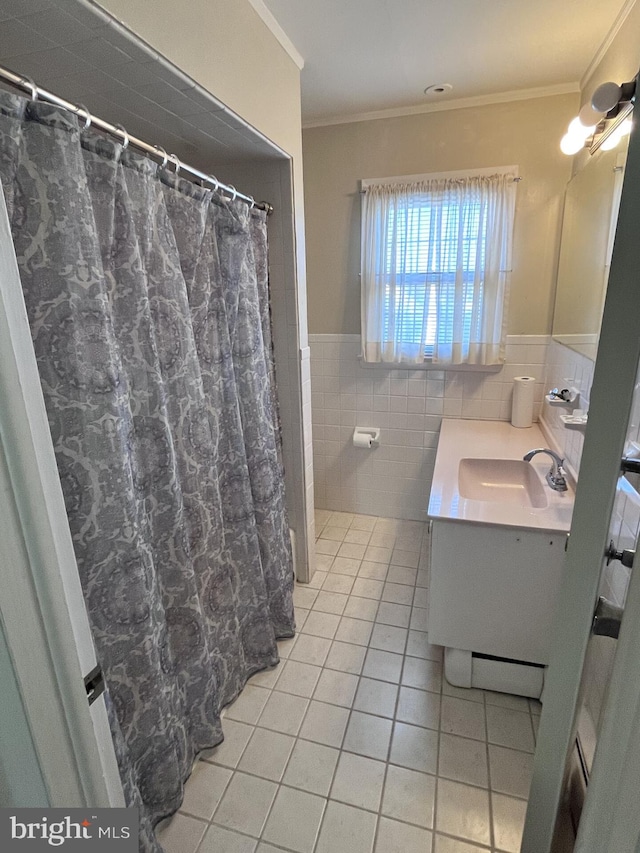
x=438, y=89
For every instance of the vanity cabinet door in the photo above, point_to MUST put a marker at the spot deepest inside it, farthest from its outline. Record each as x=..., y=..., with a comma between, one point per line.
x=493, y=589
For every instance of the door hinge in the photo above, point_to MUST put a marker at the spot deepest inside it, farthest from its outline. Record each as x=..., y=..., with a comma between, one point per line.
x=606, y=619
x=94, y=684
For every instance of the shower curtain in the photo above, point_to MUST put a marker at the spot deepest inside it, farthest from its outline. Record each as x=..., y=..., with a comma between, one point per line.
x=148, y=305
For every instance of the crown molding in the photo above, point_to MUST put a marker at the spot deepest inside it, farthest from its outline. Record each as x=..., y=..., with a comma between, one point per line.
x=617, y=25
x=267, y=17
x=456, y=104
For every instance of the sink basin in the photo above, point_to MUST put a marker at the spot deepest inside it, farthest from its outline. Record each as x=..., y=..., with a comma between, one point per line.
x=501, y=480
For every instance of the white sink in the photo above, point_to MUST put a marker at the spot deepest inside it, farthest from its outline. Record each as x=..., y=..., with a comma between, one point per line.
x=501, y=480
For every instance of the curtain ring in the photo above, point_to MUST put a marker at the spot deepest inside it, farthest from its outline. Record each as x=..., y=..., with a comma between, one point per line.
x=176, y=162
x=234, y=191
x=88, y=117
x=125, y=141
x=34, y=88
x=253, y=202
x=216, y=183
x=165, y=156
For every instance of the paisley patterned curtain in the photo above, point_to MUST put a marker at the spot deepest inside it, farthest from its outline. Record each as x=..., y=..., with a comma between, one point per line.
x=148, y=308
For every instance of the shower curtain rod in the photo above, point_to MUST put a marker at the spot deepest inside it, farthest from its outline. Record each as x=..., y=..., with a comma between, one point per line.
x=26, y=84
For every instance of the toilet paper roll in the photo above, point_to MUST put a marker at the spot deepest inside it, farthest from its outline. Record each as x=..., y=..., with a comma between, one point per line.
x=522, y=406
x=361, y=439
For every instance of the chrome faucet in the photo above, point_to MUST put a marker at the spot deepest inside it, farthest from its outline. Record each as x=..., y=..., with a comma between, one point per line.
x=555, y=477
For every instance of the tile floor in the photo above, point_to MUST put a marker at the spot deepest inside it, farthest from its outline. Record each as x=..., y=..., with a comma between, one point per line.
x=355, y=743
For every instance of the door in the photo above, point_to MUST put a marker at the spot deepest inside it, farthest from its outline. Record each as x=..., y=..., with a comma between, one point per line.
x=46, y=648
x=609, y=415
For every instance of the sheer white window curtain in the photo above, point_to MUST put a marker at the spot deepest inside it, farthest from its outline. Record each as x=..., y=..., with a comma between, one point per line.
x=436, y=258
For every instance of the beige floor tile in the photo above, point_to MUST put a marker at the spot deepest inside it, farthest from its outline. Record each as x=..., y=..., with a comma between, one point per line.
x=459, y=717
x=421, y=598
x=347, y=829
x=336, y=688
x=452, y=845
x=236, y=737
x=284, y=713
x=463, y=760
x=318, y=579
x=388, y=638
x=418, y=646
x=510, y=728
x=414, y=747
x=311, y=767
x=220, y=840
x=423, y=674
x=345, y=566
x=327, y=547
x=384, y=666
x=358, y=781
x=376, y=697
x=343, y=519
x=285, y=646
x=511, y=771
x=267, y=754
x=204, y=789
x=377, y=554
x=363, y=522
x=338, y=583
x=304, y=596
x=463, y=811
x=403, y=575
x=395, y=837
x=325, y=724
x=407, y=559
x=367, y=588
x=266, y=678
x=330, y=602
x=249, y=704
x=354, y=631
x=233, y=813
x=383, y=540
x=506, y=700
x=324, y=561
x=368, y=735
x=333, y=532
x=419, y=619
x=397, y=593
x=352, y=551
x=310, y=649
x=409, y=796
x=321, y=624
x=418, y=707
x=394, y=614
x=508, y=822
x=182, y=835
x=358, y=537
x=361, y=608
x=294, y=820
x=346, y=657
x=374, y=571
x=298, y=678
x=471, y=694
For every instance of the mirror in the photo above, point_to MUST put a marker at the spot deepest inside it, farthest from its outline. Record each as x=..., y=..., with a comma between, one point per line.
x=588, y=227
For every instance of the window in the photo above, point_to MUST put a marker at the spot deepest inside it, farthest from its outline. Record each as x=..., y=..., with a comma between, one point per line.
x=435, y=260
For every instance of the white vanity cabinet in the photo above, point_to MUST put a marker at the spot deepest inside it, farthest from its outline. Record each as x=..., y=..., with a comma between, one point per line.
x=492, y=595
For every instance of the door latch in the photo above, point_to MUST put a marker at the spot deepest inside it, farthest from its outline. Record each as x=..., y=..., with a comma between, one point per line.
x=606, y=619
x=94, y=684
x=626, y=557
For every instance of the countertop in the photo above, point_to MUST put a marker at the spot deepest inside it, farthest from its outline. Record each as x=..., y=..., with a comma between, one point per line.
x=496, y=440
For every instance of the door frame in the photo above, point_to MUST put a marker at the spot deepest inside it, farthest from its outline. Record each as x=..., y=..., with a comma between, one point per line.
x=42, y=611
x=610, y=406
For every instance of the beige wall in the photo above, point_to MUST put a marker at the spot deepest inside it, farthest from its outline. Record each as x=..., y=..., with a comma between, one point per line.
x=524, y=133
x=227, y=48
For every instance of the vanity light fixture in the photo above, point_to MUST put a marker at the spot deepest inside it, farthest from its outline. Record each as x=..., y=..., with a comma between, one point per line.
x=603, y=120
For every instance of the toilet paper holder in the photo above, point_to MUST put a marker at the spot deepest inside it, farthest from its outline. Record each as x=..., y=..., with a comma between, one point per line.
x=366, y=436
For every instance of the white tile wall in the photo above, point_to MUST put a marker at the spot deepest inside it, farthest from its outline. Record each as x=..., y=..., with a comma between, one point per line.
x=394, y=478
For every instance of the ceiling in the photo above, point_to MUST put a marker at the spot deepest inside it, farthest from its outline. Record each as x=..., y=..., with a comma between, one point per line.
x=364, y=56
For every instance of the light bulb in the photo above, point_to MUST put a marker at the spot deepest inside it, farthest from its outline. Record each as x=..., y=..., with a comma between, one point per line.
x=571, y=143
x=620, y=131
x=579, y=130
